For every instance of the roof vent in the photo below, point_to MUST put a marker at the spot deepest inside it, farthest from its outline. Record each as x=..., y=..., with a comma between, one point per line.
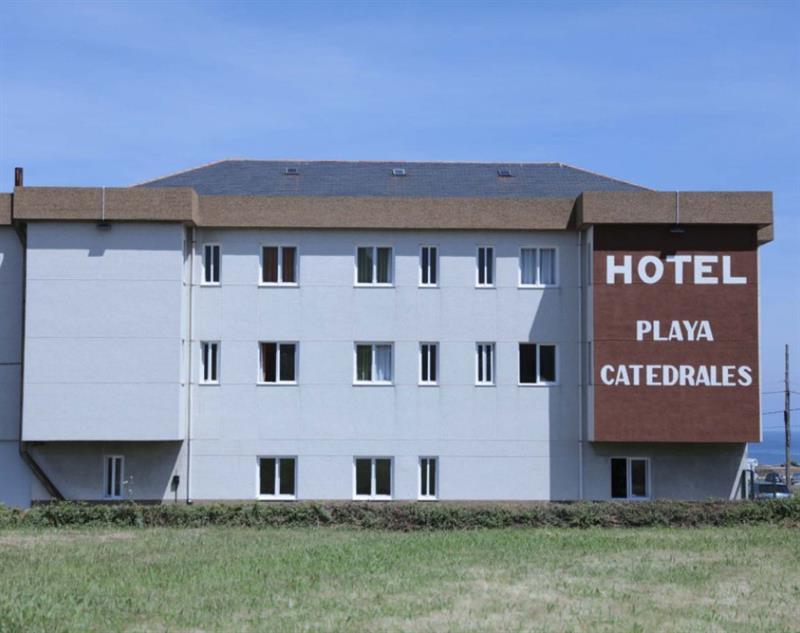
x=398, y=171
x=503, y=173
x=291, y=171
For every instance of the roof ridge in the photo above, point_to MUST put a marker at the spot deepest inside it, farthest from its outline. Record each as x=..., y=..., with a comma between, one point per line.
x=184, y=171
x=595, y=173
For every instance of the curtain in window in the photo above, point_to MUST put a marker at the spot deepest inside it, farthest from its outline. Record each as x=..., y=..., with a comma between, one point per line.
x=384, y=265
x=269, y=269
x=548, y=266
x=364, y=362
x=289, y=264
x=364, y=262
x=383, y=362
x=528, y=265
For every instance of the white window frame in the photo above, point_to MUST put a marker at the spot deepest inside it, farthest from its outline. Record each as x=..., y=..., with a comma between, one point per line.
x=477, y=267
x=201, y=380
x=539, y=382
x=373, y=483
x=538, y=267
x=374, y=284
x=629, y=479
x=260, y=380
x=279, y=283
x=277, y=496
x=421, y=474
x=493, y=381
x=107, y=483
x=438, y=271
x=373, y=382
x=420, y=381
x=204, y=265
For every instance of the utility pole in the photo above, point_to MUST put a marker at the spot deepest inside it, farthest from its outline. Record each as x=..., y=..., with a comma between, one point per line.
x=787, y=420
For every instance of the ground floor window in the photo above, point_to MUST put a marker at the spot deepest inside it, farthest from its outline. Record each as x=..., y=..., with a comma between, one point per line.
x=113, y=473
x=373, y=478
x=277, y=477
x=630, y=478
x=427, y=477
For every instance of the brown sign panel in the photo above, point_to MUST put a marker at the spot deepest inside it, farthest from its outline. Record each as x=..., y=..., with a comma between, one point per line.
x=675, y=352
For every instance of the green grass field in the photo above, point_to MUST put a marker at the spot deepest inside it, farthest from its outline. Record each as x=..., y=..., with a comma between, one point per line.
x=329, y=579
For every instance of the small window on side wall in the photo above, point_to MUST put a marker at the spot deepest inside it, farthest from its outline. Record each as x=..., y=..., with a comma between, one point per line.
x=113, y=473
x=537, y=364
x=630, y=478
x=485, y=364
x=373, y=478
x=428, y=363
x=427, y=478
x=277, y=477
x=485, y=263
x=211, y=264
x=537, y=267
x=278, y=363
x=373, y=363
x=279, y=265
x=428, y=267
x=209, y=362
x=374, y=266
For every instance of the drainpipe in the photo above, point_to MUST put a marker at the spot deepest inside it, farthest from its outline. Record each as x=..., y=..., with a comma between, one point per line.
x=581, y=386
x=189, y=373
x=26, y=457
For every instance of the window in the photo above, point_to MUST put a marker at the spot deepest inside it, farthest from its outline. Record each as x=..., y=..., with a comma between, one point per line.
x=211, y=264
x=113, y=473
x=428, y=264
x=485, y=364
x=279, y=265
x=537, y=267
x=427, y=477
x=209, y=363
x=537, y=364
x=277, y=477
x=485, y=266
x=630, y=478
x=373, y=266
x=374, y=363
x=428, y=363
x=373, y=478
x=278, y=363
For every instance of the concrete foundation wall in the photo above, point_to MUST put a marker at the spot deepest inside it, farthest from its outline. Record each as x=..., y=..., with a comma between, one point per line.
x=677, y=471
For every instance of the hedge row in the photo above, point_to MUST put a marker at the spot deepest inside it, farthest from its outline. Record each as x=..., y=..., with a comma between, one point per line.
x=411, y=516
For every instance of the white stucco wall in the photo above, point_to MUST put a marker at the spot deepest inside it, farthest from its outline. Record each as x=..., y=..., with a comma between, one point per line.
x=103, y=332
x=502, y=442
x=15, y=478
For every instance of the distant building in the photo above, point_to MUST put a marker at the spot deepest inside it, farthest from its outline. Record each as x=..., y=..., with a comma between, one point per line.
x=378, y=330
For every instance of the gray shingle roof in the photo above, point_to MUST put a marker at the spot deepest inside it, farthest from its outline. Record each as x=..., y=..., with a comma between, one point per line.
x=365, y=178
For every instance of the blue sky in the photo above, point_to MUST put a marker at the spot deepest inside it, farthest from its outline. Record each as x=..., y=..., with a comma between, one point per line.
x=679, y=95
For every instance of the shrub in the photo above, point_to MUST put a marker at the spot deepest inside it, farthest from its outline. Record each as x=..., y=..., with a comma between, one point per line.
x=410, y=515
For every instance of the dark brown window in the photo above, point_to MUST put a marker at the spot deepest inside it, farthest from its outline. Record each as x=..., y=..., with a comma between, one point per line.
x=537, y=363
x=278, y=362
x=279, y=265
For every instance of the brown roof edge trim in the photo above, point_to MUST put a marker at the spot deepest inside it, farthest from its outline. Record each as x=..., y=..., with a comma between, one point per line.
x=387, y=213
x=671, y=207
x=179, y=204
x=6, y=205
